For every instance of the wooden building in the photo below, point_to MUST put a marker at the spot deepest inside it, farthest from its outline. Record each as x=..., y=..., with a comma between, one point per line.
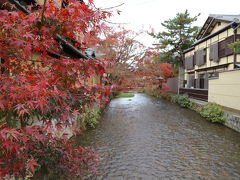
x=210, y=60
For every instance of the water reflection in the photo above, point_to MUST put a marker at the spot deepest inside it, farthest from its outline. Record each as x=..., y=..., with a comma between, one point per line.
x=142, y=138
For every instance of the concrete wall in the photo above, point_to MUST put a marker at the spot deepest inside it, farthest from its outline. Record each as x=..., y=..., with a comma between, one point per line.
x=226, y=89
x=172, y=84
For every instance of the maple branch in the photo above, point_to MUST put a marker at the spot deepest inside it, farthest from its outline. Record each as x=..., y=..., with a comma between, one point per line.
x=113, y=7
x=44, y=9
x=115, y=23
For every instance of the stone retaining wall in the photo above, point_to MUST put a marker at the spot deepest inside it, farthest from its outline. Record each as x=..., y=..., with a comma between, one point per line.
x=232, y=121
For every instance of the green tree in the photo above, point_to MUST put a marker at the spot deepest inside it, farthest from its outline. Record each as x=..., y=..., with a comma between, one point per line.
x=178, y=36
x=236, y=46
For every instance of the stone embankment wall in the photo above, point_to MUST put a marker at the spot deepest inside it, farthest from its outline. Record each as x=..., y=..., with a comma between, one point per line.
x=232, y=119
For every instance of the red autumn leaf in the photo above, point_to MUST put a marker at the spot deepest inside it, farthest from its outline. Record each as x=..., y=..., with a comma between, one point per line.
x=31, y=164
x=40, y=80
x=14, y=13
x=10, y=146
x=17, y=166
x=2, y=106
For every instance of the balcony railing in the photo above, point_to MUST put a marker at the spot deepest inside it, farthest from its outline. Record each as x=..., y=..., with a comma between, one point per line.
x=200, y=94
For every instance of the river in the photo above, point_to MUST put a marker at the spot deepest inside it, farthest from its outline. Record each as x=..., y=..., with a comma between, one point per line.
x=142, y=138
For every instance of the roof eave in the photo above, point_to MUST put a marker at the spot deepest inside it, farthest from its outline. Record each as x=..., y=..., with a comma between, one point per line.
x=210, y=20
x=211, y=35
x=58, y=37
x=188, y=50
x=217, y=32
x=200, y=32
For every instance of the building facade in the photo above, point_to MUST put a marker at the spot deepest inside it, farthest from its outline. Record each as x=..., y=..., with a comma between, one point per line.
x=210, y=58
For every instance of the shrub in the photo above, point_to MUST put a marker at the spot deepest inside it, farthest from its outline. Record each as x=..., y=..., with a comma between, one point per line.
x=91, y=116
x=212, y=112
x=166, y=96
x=35, y=149
x=141, y=91
x=183, y=101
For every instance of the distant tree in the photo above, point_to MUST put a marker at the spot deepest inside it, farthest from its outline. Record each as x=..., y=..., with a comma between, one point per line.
x=150, y=74
x=236, y=46
x=178, y=36
x=132, y=64
x=124, y=52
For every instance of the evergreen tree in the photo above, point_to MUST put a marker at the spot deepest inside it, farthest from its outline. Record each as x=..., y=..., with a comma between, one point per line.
x=236, y=46
x=178, y=36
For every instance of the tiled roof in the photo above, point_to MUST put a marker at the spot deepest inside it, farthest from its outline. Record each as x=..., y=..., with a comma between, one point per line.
x=213, y=19
x=225, y=17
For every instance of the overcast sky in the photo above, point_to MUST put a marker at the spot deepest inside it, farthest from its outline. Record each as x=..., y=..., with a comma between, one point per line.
x=138, y=14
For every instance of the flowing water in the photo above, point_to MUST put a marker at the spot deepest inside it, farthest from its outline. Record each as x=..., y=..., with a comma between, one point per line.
x=141, y=138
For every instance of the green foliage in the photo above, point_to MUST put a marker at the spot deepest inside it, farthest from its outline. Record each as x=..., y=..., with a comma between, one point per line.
x=153, y=92
x=8, y=117
x=195, y=107
x=125, y=95
x=91, y=116
x=141, y=91
x=166, y=96
x=178, y=36
x=159, y=94
x=212, y=112
x=236, y=46
x=183, y=101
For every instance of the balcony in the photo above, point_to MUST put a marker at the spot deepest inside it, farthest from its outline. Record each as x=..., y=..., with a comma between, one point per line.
x=200, y=94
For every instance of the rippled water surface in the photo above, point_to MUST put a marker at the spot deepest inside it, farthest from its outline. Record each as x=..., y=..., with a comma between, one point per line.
x=145, y=139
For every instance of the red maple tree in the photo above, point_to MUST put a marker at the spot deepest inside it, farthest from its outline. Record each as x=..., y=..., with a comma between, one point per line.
x=132, y=64
x=24, y=151
x=151, y=73
x=38, y=81
x=34, y=83
x=124, y=52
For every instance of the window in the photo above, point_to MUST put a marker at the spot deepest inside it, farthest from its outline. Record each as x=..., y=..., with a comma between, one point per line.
x=201, y=81
x=223, y=47
x=191, y=81
x=184, y=83
x=189, y=63
x=213, y=53
x=205, y=55
x=201, y=57
x=213, y=75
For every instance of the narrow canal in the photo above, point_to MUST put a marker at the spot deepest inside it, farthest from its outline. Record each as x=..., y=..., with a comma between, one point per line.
x=141, y=138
